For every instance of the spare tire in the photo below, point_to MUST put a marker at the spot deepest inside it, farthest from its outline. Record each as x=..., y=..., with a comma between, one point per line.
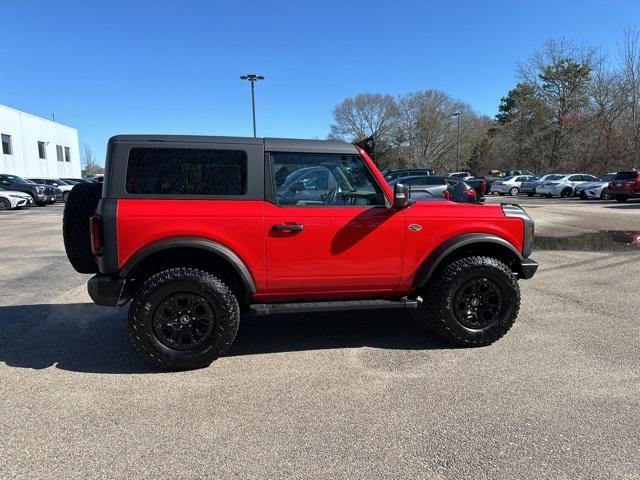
x=80, y=205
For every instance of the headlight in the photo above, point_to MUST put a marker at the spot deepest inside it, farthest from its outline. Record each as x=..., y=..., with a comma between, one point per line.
x=16, y=196
x=40, y=190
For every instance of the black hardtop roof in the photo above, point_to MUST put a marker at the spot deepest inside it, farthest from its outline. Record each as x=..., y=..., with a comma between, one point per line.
x=270, y=144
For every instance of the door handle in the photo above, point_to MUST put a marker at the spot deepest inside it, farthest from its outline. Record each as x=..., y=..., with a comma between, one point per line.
x=288, y=227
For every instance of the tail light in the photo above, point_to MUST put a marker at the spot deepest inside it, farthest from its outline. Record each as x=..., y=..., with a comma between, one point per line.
x=483, y=186
x=95, y=226
x=470, y=192
x=446, y=195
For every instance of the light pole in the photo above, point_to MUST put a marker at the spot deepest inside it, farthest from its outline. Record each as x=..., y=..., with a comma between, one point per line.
x=457, y=115
x=252, y=77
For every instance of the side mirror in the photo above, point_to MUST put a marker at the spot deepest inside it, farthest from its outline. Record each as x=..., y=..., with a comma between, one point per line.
x=401, y=195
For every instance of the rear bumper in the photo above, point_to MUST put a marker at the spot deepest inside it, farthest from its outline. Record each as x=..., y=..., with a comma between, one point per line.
x=529, y=267
x=108, y=291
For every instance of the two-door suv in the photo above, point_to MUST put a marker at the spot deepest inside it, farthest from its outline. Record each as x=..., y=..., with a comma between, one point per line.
x=194, y=229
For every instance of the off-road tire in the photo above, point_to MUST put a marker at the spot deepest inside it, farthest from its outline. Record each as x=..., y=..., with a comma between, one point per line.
x=439, y=294
x=80, y=205
x=621, y=198
x=155, y=290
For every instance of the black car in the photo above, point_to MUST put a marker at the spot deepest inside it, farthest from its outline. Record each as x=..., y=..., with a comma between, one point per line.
x=436, y=187
x=42, y=194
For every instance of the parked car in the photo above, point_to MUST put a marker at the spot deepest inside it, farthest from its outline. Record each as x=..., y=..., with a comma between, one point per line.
x=461, y=192
x=390, y=175
x=513, y=173
x=73, y=181
x=425, y=187
x=461, y=175
x=41, y=194
x=564, y=185
x=63, y=188
x=625, y=185
x=597, y=189
x=10, y=199
x=510, y=185
x=190, y=230
x=479, y=184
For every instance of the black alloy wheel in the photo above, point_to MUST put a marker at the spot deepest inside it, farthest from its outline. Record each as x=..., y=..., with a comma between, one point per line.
x=477, y=303
x=183, y=321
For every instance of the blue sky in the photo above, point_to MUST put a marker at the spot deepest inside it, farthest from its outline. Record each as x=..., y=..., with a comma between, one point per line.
x=172, y=67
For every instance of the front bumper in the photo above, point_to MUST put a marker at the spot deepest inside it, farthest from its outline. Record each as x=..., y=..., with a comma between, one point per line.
x=528, y=268
x=108, y=291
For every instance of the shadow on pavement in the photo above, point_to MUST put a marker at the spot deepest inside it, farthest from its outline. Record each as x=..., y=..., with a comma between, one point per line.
x=84, y=337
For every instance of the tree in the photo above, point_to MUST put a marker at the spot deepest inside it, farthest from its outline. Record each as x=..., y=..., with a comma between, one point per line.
x=560, y=73
x=89, y=165
x=630, y=63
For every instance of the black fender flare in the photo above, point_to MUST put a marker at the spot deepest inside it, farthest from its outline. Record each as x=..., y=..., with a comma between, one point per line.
x=193, y=242
x=440, y=253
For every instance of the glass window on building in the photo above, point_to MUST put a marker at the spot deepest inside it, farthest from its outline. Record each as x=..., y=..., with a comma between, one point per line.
x=42, y=150
x=59, y=153
x=7, y=148
x=67, y=154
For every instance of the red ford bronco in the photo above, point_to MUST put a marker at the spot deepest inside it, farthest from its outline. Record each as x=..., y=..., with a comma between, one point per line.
x=194, y=229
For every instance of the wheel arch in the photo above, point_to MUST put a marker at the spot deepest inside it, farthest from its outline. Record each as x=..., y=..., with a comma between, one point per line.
x=468, y=245
x=194, y=252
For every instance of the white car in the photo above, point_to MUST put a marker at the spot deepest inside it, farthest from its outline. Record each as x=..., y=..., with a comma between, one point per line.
x=565, y=185
x=510, y=185
x=10, y=199
x=461, y=175
x=597, y=189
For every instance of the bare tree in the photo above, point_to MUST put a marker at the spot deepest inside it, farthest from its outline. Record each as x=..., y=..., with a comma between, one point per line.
x=365, y=115
x=89, y=164
x=630, y=63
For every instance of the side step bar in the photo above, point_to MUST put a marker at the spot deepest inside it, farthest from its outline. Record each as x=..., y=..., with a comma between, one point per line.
x=260, y=309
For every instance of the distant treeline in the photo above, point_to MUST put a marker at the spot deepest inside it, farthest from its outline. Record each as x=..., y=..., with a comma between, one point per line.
x=574, y=109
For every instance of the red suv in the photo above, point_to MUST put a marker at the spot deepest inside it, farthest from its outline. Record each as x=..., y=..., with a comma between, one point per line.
x=194, y=229
x=625, y=185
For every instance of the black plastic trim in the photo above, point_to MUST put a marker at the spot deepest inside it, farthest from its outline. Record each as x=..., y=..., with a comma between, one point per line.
x=439, y=254
x=108, y=291
x=108, y=261
x=261, y=309
x=528, y=268
x=193, y=242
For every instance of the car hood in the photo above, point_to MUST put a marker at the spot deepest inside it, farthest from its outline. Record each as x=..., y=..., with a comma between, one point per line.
x=14, y=192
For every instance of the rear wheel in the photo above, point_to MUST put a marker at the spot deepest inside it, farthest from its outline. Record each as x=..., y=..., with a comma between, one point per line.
x=5, y=204
x=514, y=191
x=472, y=302
x=566, y=193
x=604, y=195
x=183, y=319
x=621, y=198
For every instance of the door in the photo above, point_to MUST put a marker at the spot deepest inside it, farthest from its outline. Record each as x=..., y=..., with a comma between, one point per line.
x=327, y=228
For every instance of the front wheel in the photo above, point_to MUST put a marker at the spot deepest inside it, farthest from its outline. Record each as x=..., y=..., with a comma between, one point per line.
x=514, y=191
x=604, y=195
x=183, y=319
x=472, y=302
x=5, y=204
x=566, y=193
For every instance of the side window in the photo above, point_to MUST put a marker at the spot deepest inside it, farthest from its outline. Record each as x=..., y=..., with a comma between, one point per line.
x=186, y=171
x=308, y=179
x=575, y=178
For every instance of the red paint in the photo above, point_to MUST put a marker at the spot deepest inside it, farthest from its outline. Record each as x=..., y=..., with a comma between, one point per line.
x=345, y=252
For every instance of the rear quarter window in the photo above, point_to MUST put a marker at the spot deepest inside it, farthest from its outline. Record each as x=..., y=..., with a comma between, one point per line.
x=626, y=176
x=186, y=171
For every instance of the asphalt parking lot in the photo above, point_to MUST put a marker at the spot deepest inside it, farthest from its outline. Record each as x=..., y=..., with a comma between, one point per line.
x=363, y=395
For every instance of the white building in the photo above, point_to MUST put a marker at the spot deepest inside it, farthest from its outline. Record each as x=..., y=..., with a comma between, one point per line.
x=36, y=147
